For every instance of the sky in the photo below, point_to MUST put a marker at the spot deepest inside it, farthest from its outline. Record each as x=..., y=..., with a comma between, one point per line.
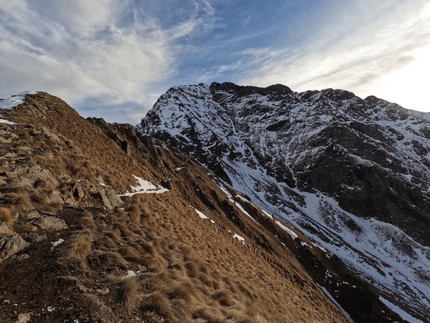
x=113, y=59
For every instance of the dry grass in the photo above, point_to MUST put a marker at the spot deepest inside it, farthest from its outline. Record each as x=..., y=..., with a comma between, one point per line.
x=131, y=297
x=20, y=200
x=6, y=216
x=79, y=246
x=209, y=314
x=184, y=290
x=188, y=269
x=224, y=298
x=105, y=243
x=158, y=303
x=87, y=222
x=114, y=259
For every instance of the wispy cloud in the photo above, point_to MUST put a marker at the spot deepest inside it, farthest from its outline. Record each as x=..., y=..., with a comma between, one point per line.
x=88, y=51
x=355, y=51
x=114, y=58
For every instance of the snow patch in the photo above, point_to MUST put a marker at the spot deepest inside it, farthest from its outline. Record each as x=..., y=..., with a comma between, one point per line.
x=7, y=122
x=333, y=300
x=236, y=236
x=14, y=100
x=56, y=243
x=144, y=187
x=290, y=232
x=130, y=273
x=398, y=310
x=201, y=214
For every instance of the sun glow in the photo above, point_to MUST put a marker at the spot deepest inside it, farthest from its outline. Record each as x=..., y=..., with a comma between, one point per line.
x=409, y=86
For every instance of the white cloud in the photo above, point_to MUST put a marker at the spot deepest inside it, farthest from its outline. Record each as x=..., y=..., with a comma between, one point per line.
x=89, y=51
x=113, y=58
x=364, y=47
x=81, y=17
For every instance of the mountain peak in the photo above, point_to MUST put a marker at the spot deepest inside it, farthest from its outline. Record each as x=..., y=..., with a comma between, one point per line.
x=247, y=90
x=352, y=174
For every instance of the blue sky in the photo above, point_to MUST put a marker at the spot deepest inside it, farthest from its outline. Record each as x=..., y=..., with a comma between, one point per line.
x=113, y=59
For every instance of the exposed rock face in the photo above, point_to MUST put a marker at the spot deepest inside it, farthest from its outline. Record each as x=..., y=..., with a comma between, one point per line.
x=11, y=245
x=354, y=174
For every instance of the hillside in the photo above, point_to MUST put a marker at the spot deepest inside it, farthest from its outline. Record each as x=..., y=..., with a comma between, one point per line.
x=352, y=174
x=100, y=224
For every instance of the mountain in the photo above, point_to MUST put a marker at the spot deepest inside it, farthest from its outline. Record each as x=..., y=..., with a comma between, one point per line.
x=226, y=204
x=99, y=223
x=350, y=174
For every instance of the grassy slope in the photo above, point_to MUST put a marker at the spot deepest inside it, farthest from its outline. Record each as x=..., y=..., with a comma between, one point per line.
x=187, y=269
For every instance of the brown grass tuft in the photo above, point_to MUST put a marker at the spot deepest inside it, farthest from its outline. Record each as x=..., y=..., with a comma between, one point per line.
x=6, y=216
x=192, y=269
x=105, y=242
x=130, y=294
x=79, y=246
x=87, y=222
x=184, y=291
x=210, y=314
x=158, y=303
x=19, y=197
x=114, y=235
x=130, y=253
x=225, y=298
x=114, y=258
x=148, y=248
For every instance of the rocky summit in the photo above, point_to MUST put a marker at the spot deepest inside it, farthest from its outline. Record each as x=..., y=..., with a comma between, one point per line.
x=226, y=204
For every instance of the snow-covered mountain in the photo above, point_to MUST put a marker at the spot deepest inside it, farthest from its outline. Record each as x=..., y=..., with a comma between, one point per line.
x=352, y=174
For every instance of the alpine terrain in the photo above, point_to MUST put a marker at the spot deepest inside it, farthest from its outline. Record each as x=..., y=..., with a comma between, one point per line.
x=226, y=204
x=351, y=175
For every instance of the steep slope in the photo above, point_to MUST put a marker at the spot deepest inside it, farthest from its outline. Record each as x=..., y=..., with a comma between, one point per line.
x=352, y=174
x=99, y=224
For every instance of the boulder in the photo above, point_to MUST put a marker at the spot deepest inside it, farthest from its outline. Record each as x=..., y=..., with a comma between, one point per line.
x=46, y=222
x=11, y=245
